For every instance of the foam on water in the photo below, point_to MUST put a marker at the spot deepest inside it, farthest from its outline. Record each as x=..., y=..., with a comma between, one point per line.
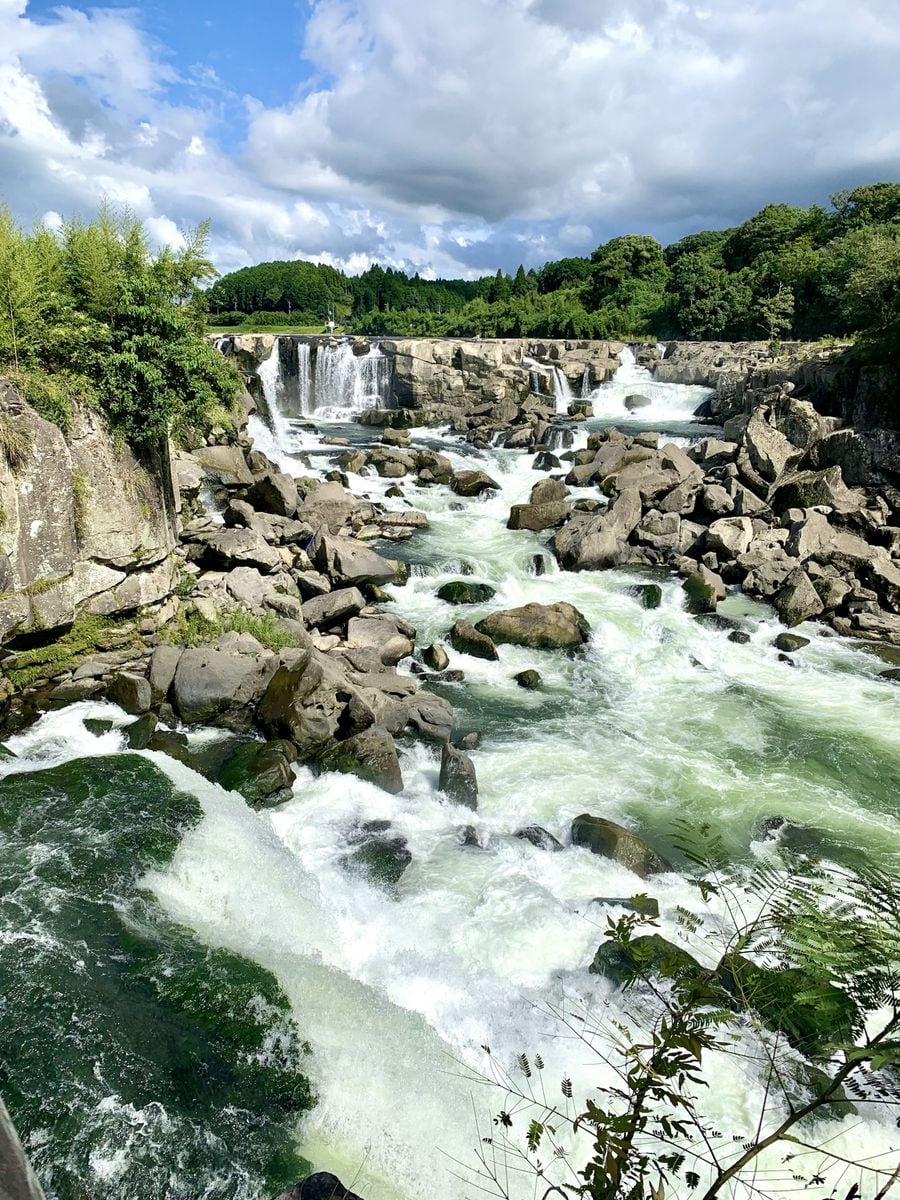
x=669, y=402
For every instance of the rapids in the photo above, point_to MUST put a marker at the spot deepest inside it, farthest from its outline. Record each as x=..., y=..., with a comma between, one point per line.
x=660, y=719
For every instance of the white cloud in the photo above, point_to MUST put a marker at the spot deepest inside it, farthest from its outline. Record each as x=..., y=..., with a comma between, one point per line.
x=457, y=135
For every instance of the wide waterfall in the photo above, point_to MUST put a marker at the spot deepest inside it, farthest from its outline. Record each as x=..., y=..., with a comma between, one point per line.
x=633, y=395
x=347, y=383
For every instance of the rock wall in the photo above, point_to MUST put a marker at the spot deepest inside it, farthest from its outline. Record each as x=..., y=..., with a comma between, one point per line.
x=85, y=527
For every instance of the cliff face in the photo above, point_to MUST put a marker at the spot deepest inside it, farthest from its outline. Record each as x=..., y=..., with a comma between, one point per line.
x=85, y=527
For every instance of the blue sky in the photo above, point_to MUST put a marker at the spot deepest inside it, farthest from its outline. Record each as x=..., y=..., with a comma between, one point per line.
x=446, y=136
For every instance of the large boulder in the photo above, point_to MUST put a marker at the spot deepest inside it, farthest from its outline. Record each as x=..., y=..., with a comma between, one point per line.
x=378, y=853
x=809, y=489
x=220, y=685
x=473, y=483
x=648, y=954
x=310, y=700
x=768, y=449
x=228, y=548
x=320, y=1186
x=349, y=562
x=457, y=778
x=537, y=517
x=610, y=840
x=370, y=755
x=730, y=537
x=390, y=637
x=275, y=492
x=465, y=591
x=798, y=600
x=333, y=608
x=467, y=639
x=540, y=626
x=259, y=771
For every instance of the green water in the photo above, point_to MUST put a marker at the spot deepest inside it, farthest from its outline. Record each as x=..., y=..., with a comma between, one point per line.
x=137, y=1062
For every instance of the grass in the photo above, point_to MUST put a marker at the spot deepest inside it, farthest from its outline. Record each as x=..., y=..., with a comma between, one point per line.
x=64, y=653
x=81, y=494
x=16, y=445
x=194, y=630
x=251, y=327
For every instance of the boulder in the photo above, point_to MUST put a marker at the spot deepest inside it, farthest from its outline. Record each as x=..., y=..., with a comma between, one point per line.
x=333, y=608
x=798, y=600
x=808, y=489
x=321, y=1186
x=540, y=626
x=730, y=537
x=703, y=590
x=768, y=449
x=649, y=594
x=529, y=680
x=473, y=483
x=548, y=491
x=211, y=684
x=610, y=840
x=392, y=639
x=139, y=732
x=310, y=700
x=230, y=548
x=538, y=836
x=457, y=778
x=379, y=854
x=274, y=492
x=649, y=954
x=466, y=639
x=464, y=591
x=436, y=657
x=131, y=692
x=537, y=517
x=790, y=642
x=227, y=463
x=370, y=755
x=347, y=561
x=259, y=771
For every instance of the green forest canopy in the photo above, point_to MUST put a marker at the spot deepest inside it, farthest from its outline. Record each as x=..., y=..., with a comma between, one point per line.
x=786, y=272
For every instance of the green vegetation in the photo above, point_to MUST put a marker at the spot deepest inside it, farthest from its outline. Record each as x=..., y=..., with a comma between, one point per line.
x=806, y=996
x=90, y=316
x=88, y=634
x=81, y=494
x=787, y=272
x=193, y=629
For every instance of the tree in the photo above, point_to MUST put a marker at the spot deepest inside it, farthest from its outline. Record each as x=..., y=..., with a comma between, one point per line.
x=776, y=312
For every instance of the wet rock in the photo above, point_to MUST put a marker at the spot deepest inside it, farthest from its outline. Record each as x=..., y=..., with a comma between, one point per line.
x=457, y=778
x=379, y=854
x=635, y=402
x=466, y=639
x=97, y=726
x=539, y=564
x=259, y=771
x=647, y=906
x=436, y=657
x=798, y=600
x=649, y=954
x=321, y=1186
x=703, y=591
x=546, y=461
x=463, y=591
x=611, y=840
x=469, y=741
x=790, y=642
x=540, y=626
x=649, y=594
x=370, y=755
x=538, y=836
x=131, y=692
x=473, y=483
x=738, y=636
x=530, y=680
x=139, y=732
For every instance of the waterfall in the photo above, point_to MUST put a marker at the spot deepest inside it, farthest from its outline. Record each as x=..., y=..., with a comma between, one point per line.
x=586, y=383
x=633, y=395
x=347, y=383
x=305, y=388
x=562, y=392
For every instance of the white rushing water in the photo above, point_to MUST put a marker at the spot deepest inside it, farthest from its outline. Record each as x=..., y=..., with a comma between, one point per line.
x=347, y=383
x=660, y=719
x=668, y=402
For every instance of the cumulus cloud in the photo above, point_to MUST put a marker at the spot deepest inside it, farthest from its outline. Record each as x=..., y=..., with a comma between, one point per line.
x=459, y=135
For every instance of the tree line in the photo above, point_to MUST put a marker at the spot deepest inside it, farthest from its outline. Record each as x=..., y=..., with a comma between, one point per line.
x=787, y=272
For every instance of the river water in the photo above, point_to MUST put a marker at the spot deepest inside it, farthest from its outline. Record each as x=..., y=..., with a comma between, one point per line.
x=661, y=719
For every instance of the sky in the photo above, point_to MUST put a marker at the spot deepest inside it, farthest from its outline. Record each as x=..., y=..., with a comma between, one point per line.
x=451, y=137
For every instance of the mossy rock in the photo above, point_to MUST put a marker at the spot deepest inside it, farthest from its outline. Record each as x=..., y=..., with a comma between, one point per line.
x=461, y=591
x=645, y=955
x=259, y=770
x=649, y=594
x=808, y=1010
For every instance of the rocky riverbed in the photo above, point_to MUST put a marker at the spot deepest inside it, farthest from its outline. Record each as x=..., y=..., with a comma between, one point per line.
x=465, y=680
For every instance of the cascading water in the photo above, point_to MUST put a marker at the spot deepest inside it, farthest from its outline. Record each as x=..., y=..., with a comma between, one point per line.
x=562, y=392
x=634, y=396
x=347, y=383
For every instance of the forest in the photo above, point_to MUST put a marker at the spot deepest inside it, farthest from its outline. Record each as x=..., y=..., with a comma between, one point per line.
x=786, y=273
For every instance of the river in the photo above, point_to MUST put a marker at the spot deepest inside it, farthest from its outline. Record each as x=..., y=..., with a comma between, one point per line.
x=661, y=719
